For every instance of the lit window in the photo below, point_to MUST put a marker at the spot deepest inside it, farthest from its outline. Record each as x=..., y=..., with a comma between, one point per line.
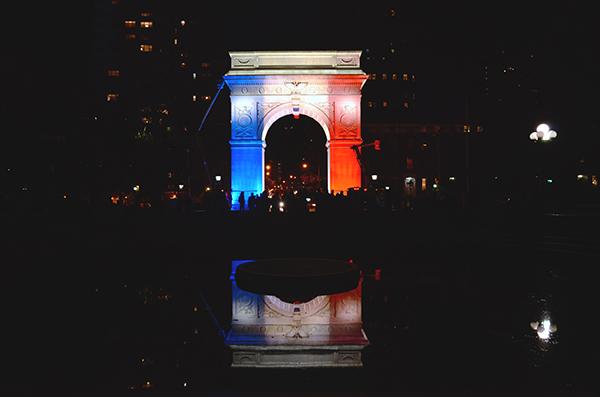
x=130, y=24
x=113, y=73
x=146, y=47
x=392, y=12
x=423, y=184
x=373, y=76
x=112, y=97
x=130, y=36
x=371, y=104
x=384, y=76
x=395, y=76
x=206, y=98
x=385, y=104
x=392, y=50
x=194, y=75
x=405, y=77
x=194, y=98
x=146, y=24
x=146, y=14
x=182, y=22
x=405, y=104
x=183, y=65
x=175, y=41
x=413, y=77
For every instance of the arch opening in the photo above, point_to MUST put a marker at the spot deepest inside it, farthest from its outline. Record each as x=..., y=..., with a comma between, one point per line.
x=296, y=156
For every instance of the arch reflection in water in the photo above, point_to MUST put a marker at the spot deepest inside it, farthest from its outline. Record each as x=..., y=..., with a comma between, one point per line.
x=306, y=331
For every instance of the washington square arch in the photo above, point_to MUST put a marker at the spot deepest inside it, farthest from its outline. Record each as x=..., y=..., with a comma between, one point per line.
x=266, y=86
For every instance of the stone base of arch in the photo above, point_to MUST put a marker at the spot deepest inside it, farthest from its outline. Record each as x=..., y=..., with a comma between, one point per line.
x=247, y=165
x=345, y=172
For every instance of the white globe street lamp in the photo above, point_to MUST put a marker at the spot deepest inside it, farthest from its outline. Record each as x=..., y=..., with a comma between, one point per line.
x=543, y=133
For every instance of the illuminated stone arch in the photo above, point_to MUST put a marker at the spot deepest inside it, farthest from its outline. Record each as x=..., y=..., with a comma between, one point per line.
x=266, y=86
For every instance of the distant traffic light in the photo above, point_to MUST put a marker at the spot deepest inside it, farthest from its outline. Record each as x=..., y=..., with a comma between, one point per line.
x=377, y=144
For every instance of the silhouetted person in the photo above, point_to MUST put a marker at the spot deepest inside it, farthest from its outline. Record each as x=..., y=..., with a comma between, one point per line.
x=242, y=201
x=252, y=202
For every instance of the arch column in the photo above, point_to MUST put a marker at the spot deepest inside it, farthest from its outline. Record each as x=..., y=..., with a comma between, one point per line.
x=344, y=169
x=247, y=165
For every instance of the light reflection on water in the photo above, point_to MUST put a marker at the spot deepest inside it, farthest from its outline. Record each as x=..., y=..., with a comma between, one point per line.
x=546, y=330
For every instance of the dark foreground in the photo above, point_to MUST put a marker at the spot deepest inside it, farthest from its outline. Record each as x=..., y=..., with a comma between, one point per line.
x=119, y=303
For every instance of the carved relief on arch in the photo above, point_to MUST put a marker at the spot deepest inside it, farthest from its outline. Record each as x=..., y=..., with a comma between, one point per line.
x=263, y=109
x=245, y=305
x=328, y=108
x=348, y=122
x=243, y=123
x=296, y=87
x=319, y=114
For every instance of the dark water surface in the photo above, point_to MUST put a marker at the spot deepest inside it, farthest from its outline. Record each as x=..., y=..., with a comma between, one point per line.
x=123, y=303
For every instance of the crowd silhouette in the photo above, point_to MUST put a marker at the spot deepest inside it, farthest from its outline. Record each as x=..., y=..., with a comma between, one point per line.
x=319, y=201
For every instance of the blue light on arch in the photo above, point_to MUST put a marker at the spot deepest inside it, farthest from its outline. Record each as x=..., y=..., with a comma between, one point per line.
x=247, y=158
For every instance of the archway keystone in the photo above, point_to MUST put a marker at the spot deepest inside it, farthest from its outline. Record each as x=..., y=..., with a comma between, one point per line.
x=267, y=85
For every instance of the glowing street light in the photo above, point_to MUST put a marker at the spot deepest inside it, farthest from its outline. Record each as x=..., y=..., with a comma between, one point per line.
x=543, y=133
x=544, y=328
x=304, y=165
x=218, y=178
x=374, y=177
